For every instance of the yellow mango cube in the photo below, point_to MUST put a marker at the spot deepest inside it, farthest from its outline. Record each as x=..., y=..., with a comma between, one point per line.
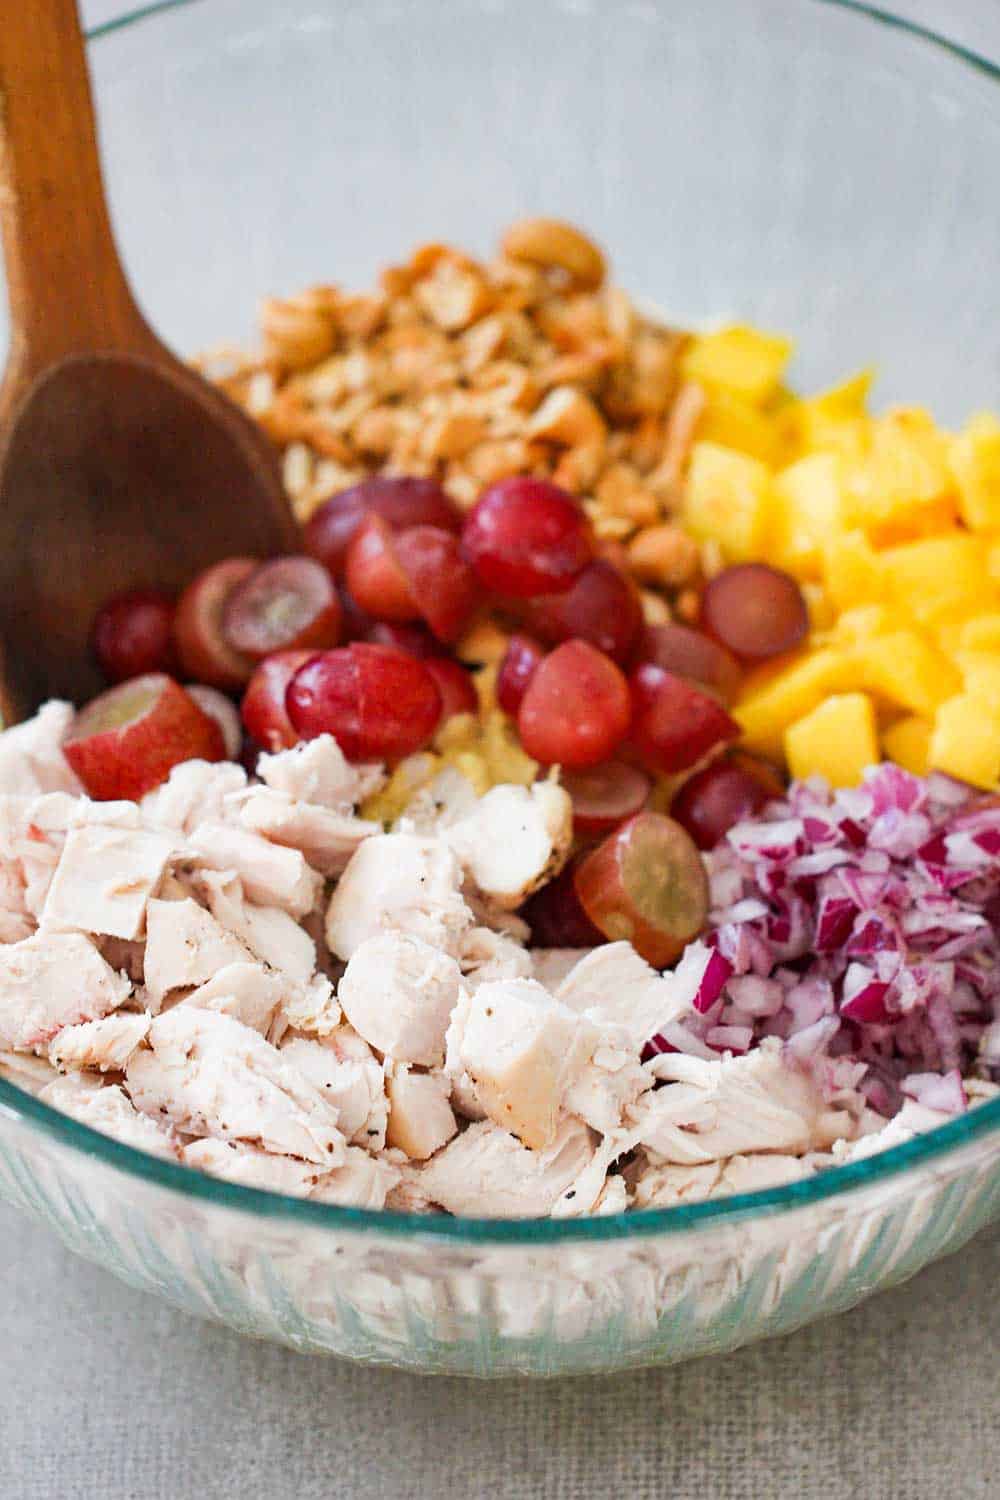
x=728, y=499
x=743, y=361
x=975, y=462
x=837, y=740
x=942, y=579
x=834, y=421
x=981, y=676
x=866, y=621
x=776, y=695
x=980, y=634
x=822, y=615
x=905, y=488
x=852, y=570
x=733, y=422
x=906, y=670
x=810, y=507
x=966, y=741
x=907, y=742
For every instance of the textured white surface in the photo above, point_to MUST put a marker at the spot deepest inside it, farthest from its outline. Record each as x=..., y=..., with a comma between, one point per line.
x=107, y=1393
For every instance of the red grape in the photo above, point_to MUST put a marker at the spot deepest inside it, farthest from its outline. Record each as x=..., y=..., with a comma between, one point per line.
x=400, y=502
x=646, y=884
x=606, y=796
x=674, y=723
x=375, y=578
x=556, y=918
x=516, y=670
x=205, y=653
x=722, y=795
x=263, y=706
x=126, y=741
x=222, y=709
x=439, y=578
x=458, y=694
x=691, y=653
x=378, y=704
x=575, y=711
x=526, y=537
x=288, y=604
x=133, y=634
x=601, y=606
x=414, y=639
x=755, y=610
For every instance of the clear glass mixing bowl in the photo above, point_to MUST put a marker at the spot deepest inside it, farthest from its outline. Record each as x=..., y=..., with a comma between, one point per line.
x=810, y=166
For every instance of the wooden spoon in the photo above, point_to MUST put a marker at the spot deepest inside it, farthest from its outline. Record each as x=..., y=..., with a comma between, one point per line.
x=119, y=466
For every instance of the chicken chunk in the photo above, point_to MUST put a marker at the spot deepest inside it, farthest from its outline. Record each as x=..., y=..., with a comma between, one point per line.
x=350, y=1078
x=397, y=882
x=421, y=1120
x=30, y=1073
x=362, y=1182
x=253, y=1168
x=663, y=1186
x=486, y=955
x=399, y=993
x=523, y=1050
x=211, y=1075
x=325, y=837
x=50, y=981
x=612, y=984
x=271, y=874
x=912, y=1120
x=550, y=967
x=485, y=1171
x=515, y=839
x=103, y=1046
x=269, y=933
x=104, y=878
x=109, y=1110
x=246, y=991
x=313, y=1008
x=31, y=757
x=317, y=771
x=609, y=1083
x=196, y=791
x=185, y=946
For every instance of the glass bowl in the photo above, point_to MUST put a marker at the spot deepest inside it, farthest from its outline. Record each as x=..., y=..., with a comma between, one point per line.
x=810, y=166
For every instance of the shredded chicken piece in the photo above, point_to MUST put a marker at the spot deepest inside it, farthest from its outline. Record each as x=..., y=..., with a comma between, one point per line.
x=398, y=882
x=515, y=839
x=399, y=993
x=326, y=837
x=104, y=1046
x=271, y=874
x=108, y=1109
x=343, y=1068
x=104, y=879
x=50, y=981
x=486, y=1171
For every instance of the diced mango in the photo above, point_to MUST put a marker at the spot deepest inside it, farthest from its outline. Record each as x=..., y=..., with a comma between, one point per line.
x=981, y=634
x=975, y=462
x=832, y=422
x=837, y=740
x=904, y=489
x=822, y=615
x=733, y=422
x=907, y=742
x=981, y=676
x=993, y=560
x=810, y=507
x=852, y=570
x=966, y=741
x=867, y=621
x=904, y=669
x=740, y=360
x=942, y=579
x=728, y=499
x=776, y=695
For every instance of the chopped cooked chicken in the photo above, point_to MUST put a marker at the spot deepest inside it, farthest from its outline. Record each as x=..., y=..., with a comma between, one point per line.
x=272, y=875
x=343, y=1068
x=104, y=1046
x=196, y=792
x=613, y=984
x=253, y=1168
x=551, y=966
x=711, y=1110
x=486, y=1171
x=362, y=1182
x=449, y=797
x=486, y=955
x=399, y=993
x=421, y=1120
x=50, y=981
x=313, y=1008
x=31, y=758
x=317, y=771
x=609, y=1083
x=109, y=1110
x=523, y=1050
x=327, y=838
x=104, y=878
x=211, y=1075
x=247, y=991
x=29, y=1072
x=514, y=839
x=269, y=933
x=912, y=1120
x=397, y=882
x=185, y=946
x=662, y=1186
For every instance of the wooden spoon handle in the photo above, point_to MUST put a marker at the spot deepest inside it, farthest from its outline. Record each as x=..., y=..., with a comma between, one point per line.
x=66, y=287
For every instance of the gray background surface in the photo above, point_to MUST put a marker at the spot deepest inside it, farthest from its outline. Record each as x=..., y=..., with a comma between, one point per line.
x=105, y=1394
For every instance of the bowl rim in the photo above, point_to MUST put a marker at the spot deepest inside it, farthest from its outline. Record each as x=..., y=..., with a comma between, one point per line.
x=21, y=1107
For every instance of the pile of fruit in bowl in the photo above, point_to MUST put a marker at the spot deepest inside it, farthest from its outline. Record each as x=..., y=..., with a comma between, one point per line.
x=608, y=798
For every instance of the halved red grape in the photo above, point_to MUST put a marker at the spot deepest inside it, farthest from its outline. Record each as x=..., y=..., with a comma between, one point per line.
x=205, y=653
x=576, y=709
x=222, y=709
x=722, y=795
x=374, y=575
x=755, y=610
x=378, y=704
x=646, y=884
x=287, y=604
x=415, y=639
x=556, y=918
x=517, y=667
x=600, y=606
x=400, y=502
x=674, y=723
x=263, y=707
x=692, y=653
x=439, y=578
x=133, y=634
x=357, y=622
x=606, y=796
x=126, y=741
x=458, y=693
x=526, y=537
